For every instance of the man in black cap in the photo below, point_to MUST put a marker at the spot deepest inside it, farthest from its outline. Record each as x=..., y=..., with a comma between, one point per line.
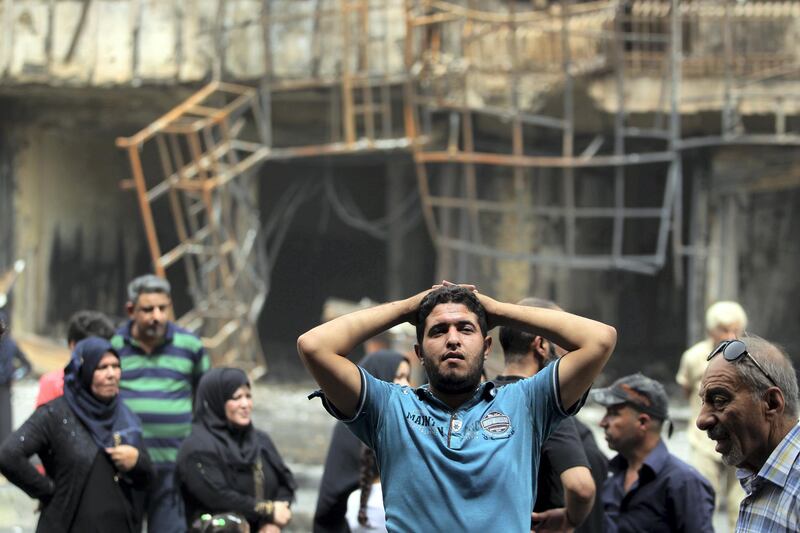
x=649, y=489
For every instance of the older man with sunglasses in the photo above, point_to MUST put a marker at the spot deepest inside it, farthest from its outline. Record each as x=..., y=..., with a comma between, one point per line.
x=724, y=320
x=750, y=402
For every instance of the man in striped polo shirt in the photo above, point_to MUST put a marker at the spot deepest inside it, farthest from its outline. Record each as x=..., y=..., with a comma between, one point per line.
x=161, y=366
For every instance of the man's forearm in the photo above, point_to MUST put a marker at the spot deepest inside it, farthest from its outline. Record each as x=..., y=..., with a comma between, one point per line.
x=341, y=335
x=565, y=329
x=579, y=493
x=589, y=341
x=324, y=349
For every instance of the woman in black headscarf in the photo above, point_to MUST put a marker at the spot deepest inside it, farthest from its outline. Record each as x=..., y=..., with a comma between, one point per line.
x=226, y=465
x=343, y=463
x=90, y=444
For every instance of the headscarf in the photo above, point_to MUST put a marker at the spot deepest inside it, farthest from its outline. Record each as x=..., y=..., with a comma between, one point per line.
x=104, y=420
x=239, y=446
x=383, y=364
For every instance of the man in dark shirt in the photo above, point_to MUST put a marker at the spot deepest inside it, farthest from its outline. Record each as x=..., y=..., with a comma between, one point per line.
x=565, y=487
x=649, y=489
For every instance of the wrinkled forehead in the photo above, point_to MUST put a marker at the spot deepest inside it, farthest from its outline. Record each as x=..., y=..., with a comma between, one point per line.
x=720, y=373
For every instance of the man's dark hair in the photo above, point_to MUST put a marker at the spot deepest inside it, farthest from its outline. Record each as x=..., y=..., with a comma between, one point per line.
x=516, y=343
x=89, y=324
x=450, y=294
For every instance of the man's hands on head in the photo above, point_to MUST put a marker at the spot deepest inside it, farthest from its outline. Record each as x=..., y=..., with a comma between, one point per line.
x=324, y=349
x=489, y=304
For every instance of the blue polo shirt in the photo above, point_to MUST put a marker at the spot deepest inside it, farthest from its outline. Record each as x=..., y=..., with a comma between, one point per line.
x=669, y=497
x=469, y=469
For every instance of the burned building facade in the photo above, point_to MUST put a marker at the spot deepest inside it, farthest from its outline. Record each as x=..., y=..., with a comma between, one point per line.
x=633, y=160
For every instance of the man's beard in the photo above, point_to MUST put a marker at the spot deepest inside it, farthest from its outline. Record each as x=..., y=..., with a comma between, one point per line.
x=452, y=384
x=735, y=455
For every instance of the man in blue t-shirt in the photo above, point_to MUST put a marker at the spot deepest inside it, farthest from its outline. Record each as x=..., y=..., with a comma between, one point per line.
x=456, y=454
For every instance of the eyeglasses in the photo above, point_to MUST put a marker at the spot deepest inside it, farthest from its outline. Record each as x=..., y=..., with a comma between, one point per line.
x=734, y=350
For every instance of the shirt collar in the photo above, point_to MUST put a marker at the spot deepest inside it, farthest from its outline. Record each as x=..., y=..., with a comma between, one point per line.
x=486, y=391
x=655, y=460
x=780, y=462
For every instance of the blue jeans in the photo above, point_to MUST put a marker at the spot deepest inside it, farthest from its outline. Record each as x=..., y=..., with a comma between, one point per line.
x=164, y=503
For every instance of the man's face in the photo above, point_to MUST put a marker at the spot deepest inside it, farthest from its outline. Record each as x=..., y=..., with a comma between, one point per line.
x=453, y=349
x=725, y=332
x=731, y=416
x=150, y=315
x=623, y=430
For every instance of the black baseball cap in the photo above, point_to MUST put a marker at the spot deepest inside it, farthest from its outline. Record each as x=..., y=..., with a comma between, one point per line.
x=637, y=390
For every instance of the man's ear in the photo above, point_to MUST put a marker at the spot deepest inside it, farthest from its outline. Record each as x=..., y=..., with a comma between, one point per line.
x=129, y=307
x=643, y=420
x=540, y=348
x=775, y=402
x=419, y=354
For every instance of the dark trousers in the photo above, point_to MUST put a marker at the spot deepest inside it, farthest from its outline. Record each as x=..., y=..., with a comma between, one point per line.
x=164, y=503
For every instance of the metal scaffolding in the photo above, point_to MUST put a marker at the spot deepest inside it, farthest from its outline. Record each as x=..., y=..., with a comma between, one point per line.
x=206, y=151
x=548, y=135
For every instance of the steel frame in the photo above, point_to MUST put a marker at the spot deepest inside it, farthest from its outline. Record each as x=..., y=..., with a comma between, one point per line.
x=464, y=66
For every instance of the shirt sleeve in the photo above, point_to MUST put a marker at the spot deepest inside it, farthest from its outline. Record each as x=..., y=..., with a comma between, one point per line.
x=544, y=399
x=33, y=437
x=564, y=448
x=366, y=421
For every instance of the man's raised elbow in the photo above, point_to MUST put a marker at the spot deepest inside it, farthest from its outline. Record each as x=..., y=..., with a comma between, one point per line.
x=306, y=345
x=607, y=339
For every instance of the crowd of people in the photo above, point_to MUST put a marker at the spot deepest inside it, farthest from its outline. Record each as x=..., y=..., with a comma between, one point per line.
x=137, y=428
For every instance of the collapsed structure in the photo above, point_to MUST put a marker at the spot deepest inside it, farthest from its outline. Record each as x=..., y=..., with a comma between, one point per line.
x=544, y=136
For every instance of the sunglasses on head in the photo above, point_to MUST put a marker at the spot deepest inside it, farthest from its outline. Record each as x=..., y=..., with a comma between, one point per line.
x=734, y=350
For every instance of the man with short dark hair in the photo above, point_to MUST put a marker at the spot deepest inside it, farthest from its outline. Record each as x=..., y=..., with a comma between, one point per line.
x=568, y=477
x=750, y=408
x=649, y=489
x=456, y=454
x=161, y=367
x=81, y=325
x=564, y=490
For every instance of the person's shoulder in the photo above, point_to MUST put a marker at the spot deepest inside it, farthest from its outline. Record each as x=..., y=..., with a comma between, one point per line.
x=698, y=352
x=195, y=444
x=183, y=338
x=681, y=471
x=55, y=408
x=263, y=437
